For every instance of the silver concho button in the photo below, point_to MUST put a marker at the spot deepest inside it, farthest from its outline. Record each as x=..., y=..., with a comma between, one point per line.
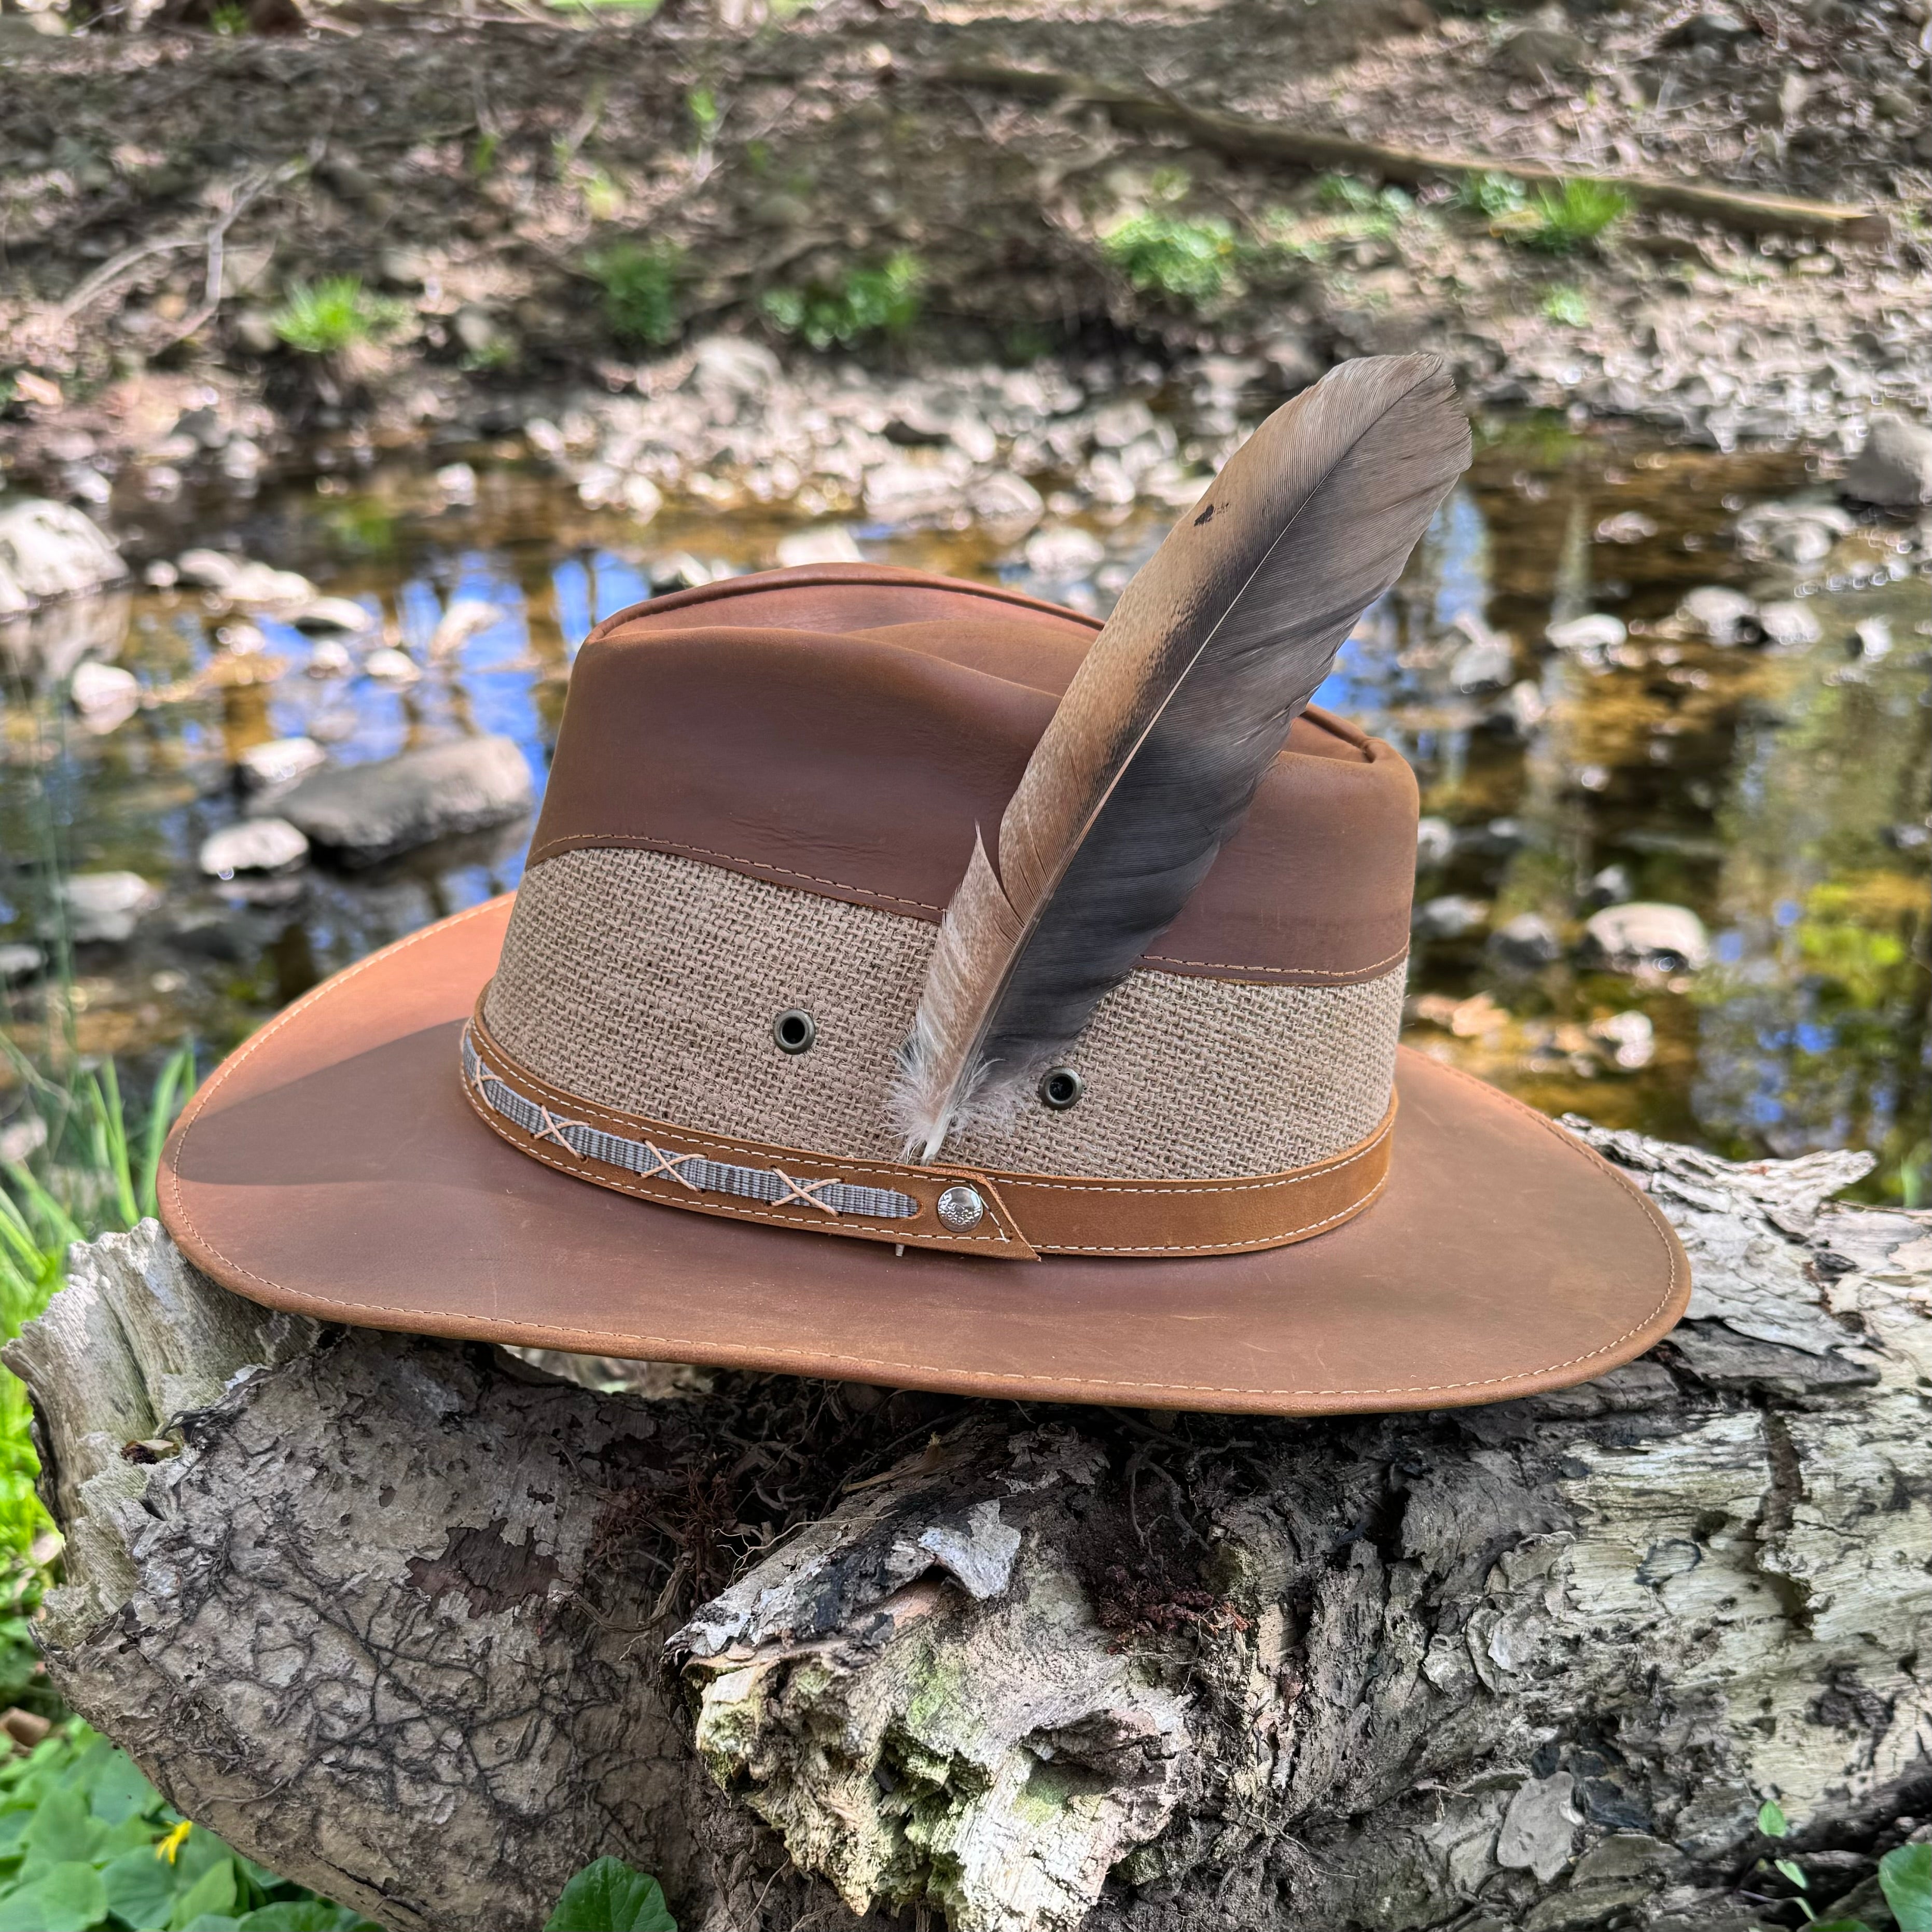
x=961, y=1208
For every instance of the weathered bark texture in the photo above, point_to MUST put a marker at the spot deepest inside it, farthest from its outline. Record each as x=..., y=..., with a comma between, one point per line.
x=391, y=1615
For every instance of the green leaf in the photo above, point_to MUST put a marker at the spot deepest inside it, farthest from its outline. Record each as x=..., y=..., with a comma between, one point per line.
x=140, y=1887
x=63, y=1832
x=213, y=1892
x=212, y=1922
x=1905, y=1875
x=1794, y=1872
x=609, y=1897
x=121, y=1793
x=1771, y=1820
x=1840, y=1925
x=301, y=1915
x=68, y=1897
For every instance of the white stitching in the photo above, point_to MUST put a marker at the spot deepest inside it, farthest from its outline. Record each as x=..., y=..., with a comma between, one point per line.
x=815, y=1363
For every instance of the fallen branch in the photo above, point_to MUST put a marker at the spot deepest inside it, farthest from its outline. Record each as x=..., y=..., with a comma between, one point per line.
x=389, y=1614
x=1245, y=139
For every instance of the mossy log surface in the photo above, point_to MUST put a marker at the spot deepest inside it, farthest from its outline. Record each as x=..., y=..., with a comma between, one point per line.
x=427, y=1627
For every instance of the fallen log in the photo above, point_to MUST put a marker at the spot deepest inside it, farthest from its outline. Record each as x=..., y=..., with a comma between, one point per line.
x=1242, y=138
x=427, y=1627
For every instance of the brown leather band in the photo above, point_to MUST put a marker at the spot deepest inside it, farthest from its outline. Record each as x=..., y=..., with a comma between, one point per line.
x=1023, y=1216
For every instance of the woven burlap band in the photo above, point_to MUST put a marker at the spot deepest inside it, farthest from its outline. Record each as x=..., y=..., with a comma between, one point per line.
x=1013, y=1216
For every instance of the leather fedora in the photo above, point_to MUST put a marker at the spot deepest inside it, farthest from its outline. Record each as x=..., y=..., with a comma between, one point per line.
x=645, y=1109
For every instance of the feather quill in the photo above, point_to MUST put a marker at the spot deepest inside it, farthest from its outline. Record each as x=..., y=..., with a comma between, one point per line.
x=1183, y=702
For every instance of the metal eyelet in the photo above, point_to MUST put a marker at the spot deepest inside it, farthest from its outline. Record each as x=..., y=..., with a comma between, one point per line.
x=1060, y=1088
x=794, y=1031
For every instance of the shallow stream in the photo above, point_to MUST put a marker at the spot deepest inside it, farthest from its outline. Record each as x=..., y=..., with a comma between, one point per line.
x=1777, y=791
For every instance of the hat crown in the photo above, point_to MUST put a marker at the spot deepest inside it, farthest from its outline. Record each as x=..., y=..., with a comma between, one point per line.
x=763, y=796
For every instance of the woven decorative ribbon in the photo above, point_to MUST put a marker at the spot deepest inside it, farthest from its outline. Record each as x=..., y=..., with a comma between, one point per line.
x=767, y=1184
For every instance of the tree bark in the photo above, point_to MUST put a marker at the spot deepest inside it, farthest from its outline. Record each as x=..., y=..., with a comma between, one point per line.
x=427, y=1627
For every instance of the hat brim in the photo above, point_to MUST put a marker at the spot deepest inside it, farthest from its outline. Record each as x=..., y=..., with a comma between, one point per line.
x=331, y=1167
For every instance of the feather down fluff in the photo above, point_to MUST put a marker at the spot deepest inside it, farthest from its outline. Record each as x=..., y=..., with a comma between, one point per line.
x=1182, y=703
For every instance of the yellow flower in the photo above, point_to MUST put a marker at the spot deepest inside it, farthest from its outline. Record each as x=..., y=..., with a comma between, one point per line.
x=170, y=1846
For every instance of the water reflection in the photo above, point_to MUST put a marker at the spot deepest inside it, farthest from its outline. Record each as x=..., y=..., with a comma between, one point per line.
x=1778, y=792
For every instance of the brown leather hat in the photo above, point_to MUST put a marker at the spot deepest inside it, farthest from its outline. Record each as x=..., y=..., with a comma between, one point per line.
x=1232, y=1192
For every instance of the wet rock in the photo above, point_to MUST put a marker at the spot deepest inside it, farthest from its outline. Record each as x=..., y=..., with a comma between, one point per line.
x=1611, y=886
x=731, y=364
x=1721, y=615
x=1632, y=1038
x=19, y=961
x=254, y=845
x=237, y=580
x=479, y=334
x=1871, y=639
x=1627, y=526
x=465, y=618
x=1435, y=841
x=203, y=426
x=363, y=813
x=1647, y=937
x=105, y=908
x=1064, y=555
x=207, y=569
x=52, y=549
x=330, y=658
x=1526, y=706
x=1525, y=943
x=253, y=331
x=1710, y=27
x=1452, y=916
x=1789, y=624
x=1538, y=50
x=241, y=460
x=1597, y=631
x=1117, y=425
x=1486, y=662
x=903, y=492
x=1293, y=363
x=160, y=575
x=105, y=695
x=1894, y=468
x=327, y=614
x=280, y=761
x=830, y=543
x=679, y=570
x=389, y=666
x=1007, y=505
x=457, y=482
x=81, y=481
x=1791, y=532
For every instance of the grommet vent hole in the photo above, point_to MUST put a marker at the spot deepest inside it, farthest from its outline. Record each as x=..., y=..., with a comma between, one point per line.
x=794, y=1031
x=1060, y=1088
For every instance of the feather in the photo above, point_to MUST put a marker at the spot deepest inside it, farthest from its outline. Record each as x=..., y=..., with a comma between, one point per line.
x=1181, y=704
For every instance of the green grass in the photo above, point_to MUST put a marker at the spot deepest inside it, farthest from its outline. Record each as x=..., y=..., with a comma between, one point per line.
x=326, y=317
x=640, y=282
x=865, y=301
x=1576, y=215
x=1187, y=261
x=93, y=1171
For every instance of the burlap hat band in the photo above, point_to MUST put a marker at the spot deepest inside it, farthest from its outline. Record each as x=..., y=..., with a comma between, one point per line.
x=1013, y=1216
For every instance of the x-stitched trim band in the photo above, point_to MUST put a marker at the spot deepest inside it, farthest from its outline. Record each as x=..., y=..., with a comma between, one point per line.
x=648, y=1160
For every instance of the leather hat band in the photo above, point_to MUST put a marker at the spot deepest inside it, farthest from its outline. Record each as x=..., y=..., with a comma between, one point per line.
x=1013, y=1216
